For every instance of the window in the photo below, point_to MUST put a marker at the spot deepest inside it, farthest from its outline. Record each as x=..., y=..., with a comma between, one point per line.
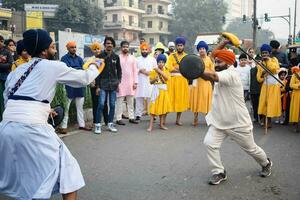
x=160, y=10
x=149, y=9
x=151, y=41
x=149, y=24
x=115, y=36
x=130, y=3
x=131, y=20
x=115, y=17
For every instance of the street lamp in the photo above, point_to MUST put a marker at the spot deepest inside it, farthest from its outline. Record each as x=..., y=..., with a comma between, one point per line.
x=12, y=29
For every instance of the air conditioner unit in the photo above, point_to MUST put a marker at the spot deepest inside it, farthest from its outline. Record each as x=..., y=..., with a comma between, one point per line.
x=68, y=30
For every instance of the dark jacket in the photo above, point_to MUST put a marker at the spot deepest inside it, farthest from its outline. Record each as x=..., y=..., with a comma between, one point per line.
x=282, y=59
x=6, y=61
x=111, y=75
x=254, y=84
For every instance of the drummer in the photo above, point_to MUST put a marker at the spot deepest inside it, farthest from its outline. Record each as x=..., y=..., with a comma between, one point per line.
x=229, y=116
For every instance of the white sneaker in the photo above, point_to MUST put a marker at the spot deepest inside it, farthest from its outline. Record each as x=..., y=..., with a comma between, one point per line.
x=111, y=127
x=98, y=128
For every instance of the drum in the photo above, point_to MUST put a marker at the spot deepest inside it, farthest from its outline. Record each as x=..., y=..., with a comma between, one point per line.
x=191, y=66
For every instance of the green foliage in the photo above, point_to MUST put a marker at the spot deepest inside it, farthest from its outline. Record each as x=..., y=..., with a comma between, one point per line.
x=194, y=17
x=77, y=15
x=245, y=31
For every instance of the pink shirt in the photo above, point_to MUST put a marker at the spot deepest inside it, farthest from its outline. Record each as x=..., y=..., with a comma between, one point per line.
x=129, y=75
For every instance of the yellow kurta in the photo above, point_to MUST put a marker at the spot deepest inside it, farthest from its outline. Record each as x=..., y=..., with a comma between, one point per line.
x=269, y=100
x=201, y=93
x=161, y=105
x=178, y=86
x=18, y=62
x=295, y=100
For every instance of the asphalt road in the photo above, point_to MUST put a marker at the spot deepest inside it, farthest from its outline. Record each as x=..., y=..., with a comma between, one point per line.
x=172, y=165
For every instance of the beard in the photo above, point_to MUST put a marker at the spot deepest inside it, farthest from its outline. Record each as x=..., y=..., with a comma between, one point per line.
x=144, y=55
x=52, y=56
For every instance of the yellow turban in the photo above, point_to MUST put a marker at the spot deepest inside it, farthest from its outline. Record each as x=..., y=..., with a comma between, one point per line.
x=95, y=45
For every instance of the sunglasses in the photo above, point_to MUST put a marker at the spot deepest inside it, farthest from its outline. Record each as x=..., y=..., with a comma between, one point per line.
x=72, y=47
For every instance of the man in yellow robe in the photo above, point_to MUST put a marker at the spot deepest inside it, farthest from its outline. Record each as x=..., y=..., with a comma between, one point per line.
x=269, y=100
x=201, y=91
x=295, y=100
x=178, y=87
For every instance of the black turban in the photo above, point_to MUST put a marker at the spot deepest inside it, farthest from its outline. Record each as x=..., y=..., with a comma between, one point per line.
x=36, y=41
x=274, y=44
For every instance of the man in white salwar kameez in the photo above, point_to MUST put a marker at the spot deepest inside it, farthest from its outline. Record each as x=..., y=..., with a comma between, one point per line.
x=145, y=64
x=35, y=162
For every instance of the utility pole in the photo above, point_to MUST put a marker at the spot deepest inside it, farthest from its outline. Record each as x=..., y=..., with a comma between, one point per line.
x=295, y=16
x=254, y=24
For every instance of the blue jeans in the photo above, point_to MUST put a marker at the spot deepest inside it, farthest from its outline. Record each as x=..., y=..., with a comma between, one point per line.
x=112, y=97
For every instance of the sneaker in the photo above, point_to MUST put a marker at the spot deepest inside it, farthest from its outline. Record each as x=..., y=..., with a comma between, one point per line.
x=111, y=127
x=120, y=122
x=98, y=128
x=138, y=118
x=133, y=121
x=266, y=170
x=216, y=179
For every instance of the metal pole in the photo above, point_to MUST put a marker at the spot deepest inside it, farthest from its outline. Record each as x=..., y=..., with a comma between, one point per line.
x=295, y=15
x=289, y=22
x=254, y=24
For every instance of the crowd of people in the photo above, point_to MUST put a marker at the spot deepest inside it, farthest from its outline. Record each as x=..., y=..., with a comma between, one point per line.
x=38, y=164
x=132, y=86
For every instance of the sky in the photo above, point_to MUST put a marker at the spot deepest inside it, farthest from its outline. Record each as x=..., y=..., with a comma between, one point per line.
x=275, y=8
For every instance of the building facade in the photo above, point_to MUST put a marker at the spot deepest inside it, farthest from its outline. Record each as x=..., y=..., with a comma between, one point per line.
x=5, y=23
x=122, y=19
x=155, y=21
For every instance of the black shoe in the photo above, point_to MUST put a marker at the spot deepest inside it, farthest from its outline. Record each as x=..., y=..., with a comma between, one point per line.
x=216, y=179
x=138, y=118
x=120, y=122
x=133, y=121
x=124, y=117
x=266, y=171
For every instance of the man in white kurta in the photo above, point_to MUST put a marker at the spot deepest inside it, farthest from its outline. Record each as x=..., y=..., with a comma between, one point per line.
x=128, y=85
x=229, y=117
x=35, y=162
x=145, y=64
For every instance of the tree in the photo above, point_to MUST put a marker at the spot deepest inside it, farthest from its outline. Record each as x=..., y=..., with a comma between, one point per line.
x=244, y=31
x=77, y=15
x=193, y=17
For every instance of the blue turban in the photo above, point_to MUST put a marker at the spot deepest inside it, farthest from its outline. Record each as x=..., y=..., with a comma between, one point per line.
x=266, y=47
x=36, y=41
x=161, y=57
x=20, y=47
x=202, y=44
x=180, y=40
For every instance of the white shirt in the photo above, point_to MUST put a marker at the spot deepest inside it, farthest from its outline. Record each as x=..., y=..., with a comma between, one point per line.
x=144, y=87
x=41, y=82
x=229, y=110
x=245, y=76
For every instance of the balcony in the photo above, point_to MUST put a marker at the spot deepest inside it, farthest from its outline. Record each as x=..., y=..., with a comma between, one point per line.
x=121, y=25
x=158, y=14
x=124, y=6
x=160, y=1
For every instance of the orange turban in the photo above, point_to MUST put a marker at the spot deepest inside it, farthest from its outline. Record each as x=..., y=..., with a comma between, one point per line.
x=295, y=69
x=225, y=55
x=144, y=45
x=71, y=44
x=95, y=45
